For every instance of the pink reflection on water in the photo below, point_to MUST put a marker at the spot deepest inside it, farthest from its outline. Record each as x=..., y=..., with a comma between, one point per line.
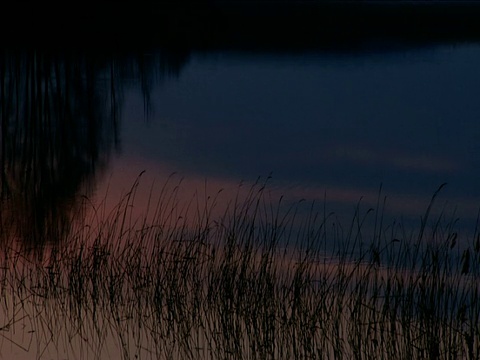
x=394, y=158
x=195, y=193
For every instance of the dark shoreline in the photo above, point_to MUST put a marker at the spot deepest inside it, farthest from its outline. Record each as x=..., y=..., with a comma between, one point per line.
x=239, y=24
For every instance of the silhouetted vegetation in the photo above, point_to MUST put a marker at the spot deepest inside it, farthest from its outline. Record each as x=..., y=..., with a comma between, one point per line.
x=60, y=120
x=180, y=283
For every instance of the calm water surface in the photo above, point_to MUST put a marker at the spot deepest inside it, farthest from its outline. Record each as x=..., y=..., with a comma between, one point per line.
x=328, y=127
x=336, y=126
x=334, y=112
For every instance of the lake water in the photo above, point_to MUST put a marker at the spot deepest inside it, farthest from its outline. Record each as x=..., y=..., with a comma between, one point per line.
x=334, y=127
x=116, y=153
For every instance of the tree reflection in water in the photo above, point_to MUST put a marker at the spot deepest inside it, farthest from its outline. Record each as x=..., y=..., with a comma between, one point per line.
x=60, y=120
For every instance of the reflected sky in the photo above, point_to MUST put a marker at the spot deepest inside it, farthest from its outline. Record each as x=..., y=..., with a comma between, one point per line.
x=344, y=124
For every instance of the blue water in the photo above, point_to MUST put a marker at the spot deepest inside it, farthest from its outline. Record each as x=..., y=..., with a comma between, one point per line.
x=340, y=124
x=337, y=128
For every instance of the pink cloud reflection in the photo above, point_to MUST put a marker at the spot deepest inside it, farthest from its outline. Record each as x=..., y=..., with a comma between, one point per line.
x=198, y=191
x=394, y=159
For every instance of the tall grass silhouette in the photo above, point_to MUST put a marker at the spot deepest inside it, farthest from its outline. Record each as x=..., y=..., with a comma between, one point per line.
x=258, y=282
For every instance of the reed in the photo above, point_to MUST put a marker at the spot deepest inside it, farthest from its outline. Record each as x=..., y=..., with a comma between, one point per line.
x=259, y=281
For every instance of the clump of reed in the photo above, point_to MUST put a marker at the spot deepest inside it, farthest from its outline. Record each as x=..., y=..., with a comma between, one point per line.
x=261, y=281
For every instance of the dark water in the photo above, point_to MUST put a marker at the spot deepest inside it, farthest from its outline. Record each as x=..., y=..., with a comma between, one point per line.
x=333, y=120
x=336, y=124
x=333, y=124
x=339, y=103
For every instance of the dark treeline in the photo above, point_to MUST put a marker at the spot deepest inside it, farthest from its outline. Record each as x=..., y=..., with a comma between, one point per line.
x=60, y=114
x=55, y=135
x=228, y=23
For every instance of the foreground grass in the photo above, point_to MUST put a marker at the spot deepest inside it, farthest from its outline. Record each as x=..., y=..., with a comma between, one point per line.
x=258, y=282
